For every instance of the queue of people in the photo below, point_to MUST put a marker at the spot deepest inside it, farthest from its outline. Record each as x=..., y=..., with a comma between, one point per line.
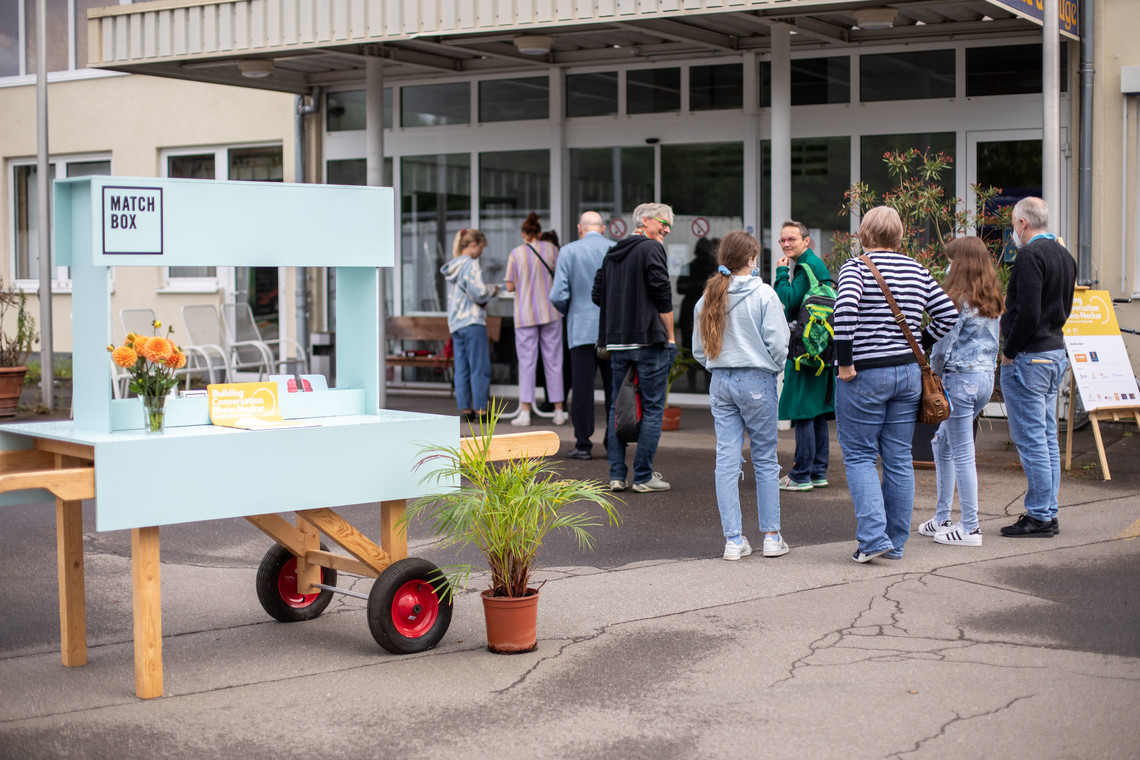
x=618, y=303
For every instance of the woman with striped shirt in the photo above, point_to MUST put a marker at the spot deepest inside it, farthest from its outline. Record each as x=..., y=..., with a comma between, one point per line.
x=876, y=403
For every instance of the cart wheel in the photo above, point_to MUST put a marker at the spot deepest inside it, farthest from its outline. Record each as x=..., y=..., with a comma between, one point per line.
x=277, y=587
x=409, y=608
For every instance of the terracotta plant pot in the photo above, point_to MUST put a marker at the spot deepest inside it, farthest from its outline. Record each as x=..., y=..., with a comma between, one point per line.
x=672, y=419
x=512, y=622
x=11, y=383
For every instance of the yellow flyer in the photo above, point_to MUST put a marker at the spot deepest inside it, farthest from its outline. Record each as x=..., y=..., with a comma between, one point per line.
x=248, y=406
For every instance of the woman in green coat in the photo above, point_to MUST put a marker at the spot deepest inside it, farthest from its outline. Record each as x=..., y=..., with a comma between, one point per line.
x=808, y=397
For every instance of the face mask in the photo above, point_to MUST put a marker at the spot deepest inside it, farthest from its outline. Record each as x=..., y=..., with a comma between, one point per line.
x=1016, y=238
x=755, y=271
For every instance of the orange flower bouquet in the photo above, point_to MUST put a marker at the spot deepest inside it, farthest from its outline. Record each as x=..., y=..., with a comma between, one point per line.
x=152, y=362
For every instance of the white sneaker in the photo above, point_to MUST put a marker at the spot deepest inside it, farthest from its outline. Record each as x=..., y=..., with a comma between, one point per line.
x=932, y=526
x=523, y=420
x=956, y=535
x=559, y=417
x=733, y=550
x=774, y=546
x=652, y=485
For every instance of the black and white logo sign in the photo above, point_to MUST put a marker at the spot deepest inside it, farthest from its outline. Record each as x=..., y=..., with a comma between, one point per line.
x=132, y=220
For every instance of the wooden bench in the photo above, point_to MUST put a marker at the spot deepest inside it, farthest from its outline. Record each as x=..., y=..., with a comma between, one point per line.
x=429, y=329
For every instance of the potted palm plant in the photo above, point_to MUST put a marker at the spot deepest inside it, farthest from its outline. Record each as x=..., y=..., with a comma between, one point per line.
x=506, y=510
x=14, y=347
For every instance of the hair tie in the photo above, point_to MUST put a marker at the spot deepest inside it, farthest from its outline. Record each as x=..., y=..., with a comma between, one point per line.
x=463, y=231
x=724, y=270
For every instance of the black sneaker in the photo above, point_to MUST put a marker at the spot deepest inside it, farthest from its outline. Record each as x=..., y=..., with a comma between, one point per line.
x=1029, y=527
x=1056, y=526
x=577, y=453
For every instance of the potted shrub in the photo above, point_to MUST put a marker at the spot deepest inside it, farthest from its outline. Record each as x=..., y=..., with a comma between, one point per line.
x=14, y=347
x=506, y=510
x=682, y=364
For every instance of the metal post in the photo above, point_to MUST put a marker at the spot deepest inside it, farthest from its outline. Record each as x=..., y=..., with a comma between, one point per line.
x=374, y=161
x=1051, y=115
x=1084, y=170
x=780, y=194
x=300, y=167
x=47, y=375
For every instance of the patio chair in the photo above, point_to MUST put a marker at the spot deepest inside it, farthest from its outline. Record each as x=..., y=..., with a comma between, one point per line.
x=206, y=333
x=140, y=322
x=241, y=325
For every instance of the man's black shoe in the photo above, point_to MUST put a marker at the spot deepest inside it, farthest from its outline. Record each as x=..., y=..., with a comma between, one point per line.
x=1029, y=527
x=579, y=454
x=1056, y=526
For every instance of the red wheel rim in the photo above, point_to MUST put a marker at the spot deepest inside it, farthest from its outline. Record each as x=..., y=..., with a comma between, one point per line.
x=287, y=586
x=415, y=609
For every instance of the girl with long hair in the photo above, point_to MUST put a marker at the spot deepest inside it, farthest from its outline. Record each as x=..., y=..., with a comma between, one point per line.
x=742, y=339
x=965, y=359
x=467, y=298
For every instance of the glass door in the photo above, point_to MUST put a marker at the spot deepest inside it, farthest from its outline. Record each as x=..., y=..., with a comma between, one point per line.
x=1011, y=160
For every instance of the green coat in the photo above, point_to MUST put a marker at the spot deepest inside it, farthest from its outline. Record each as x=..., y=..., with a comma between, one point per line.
x=805, y=395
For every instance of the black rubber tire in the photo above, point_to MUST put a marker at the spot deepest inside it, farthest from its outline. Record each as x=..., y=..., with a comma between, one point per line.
x=381, y=618
x=269, y=594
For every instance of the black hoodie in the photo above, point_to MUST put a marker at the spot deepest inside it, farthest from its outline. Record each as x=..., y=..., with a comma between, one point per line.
x=632, y=290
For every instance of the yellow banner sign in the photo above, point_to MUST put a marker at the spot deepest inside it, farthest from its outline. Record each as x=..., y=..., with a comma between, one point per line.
x=1092, y=314
x=245, y=405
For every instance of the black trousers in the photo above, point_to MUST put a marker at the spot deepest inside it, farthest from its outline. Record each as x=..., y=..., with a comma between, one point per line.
x=584, y=364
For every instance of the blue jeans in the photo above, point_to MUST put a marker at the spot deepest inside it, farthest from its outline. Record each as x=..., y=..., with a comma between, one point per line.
x=652, y=364
x=953, y=444
x=472, y=366
x=1029, y=387
x=745, y=400
x=875, y=415
x=812, y=444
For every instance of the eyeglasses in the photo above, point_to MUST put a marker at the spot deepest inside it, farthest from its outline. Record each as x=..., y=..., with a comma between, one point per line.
x=785, y=241
x=662, y=222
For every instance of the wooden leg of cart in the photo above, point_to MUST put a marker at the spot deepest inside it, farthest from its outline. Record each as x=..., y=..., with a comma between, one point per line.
x=308, y=573
x=392, y=539
x=147, y=612
x=72, y=606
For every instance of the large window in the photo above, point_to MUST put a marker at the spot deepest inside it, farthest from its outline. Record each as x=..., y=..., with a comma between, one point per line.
x=344, y=110
x=511, y=185
x=431, y=105
x=27, y=227
x=821, y=174
x=1008, y=70
x=592, y=94
x=435, y=204
x=257, y=163
x=514, y=99
x=611, y=181
x=9, y=40
x=906, y=76
x=814, y=81
x=653, y=91
x=66, y=31
x=716, y=87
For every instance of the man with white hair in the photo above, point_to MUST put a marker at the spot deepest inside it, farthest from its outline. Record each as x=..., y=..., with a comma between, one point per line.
x=570, y=292
x=1038, y=300
x=633, y=290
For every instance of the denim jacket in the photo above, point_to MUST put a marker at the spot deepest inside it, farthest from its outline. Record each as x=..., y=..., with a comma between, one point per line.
x=970, y=346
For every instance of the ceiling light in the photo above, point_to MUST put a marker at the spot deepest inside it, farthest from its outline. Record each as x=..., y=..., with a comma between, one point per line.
x=255, y=68
x=534, y=44
x=875, y=18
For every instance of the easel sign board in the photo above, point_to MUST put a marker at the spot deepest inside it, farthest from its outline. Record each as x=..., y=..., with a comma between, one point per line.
x=1097, y=356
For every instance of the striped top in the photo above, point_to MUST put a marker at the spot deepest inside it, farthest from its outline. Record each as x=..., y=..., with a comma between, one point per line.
x=532, y=283
x=866, y=334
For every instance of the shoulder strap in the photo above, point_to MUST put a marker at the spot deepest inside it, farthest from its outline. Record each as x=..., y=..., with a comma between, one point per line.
x=900, y=319
x=539, y=255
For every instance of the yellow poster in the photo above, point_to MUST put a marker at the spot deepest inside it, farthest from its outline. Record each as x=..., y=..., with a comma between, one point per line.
x=249, y=406
x=1097, y=354
x=1092, y=314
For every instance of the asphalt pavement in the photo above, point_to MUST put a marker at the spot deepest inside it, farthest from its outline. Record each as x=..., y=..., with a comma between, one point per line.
x=649, y=647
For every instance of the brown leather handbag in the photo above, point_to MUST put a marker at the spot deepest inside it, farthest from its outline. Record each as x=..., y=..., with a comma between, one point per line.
x=933, y=406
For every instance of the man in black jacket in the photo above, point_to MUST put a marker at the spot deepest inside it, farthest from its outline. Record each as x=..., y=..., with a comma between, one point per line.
x=633, y=291
x=1037, y=305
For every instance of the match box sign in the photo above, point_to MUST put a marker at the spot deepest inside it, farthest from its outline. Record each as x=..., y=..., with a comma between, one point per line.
x=132, y=220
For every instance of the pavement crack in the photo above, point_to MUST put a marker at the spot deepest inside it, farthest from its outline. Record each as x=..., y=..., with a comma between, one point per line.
x=958, y=718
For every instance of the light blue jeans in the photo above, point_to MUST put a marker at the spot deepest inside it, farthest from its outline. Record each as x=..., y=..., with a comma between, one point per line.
x=472, y=367
x=1029, y=388
x=875, y=415
x=744, y=400
x=953, y=444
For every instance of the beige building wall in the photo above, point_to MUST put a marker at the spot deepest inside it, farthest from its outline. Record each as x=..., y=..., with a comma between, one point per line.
x=1115, y=45
x=133, y=119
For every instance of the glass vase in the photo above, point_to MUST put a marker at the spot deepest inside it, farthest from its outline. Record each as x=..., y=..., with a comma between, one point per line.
x=154, y=413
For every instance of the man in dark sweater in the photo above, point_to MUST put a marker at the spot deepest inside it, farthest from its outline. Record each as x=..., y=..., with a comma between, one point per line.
x=1037, y=305
x=635, y=325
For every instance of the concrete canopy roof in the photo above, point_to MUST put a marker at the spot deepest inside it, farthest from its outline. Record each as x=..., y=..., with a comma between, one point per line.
x=326, y=42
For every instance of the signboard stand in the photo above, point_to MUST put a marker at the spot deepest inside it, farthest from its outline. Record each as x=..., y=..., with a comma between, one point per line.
x=1101, y=370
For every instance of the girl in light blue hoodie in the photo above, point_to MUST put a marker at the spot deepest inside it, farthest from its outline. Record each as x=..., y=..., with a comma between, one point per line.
x=742, y=339
x=467, y=298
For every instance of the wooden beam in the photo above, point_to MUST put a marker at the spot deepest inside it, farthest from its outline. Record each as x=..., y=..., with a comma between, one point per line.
x=281, y=531
x=26, y=459
x=71, y=484
x=347, y=537
x=147, y=602
x=340, y=563
x=307, y=572
x=393, y=536
x=69, y=561
x=541, y=443
x=77, y=450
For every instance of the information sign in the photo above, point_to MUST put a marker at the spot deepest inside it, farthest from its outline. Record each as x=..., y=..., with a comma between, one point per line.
x=1097, y=355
